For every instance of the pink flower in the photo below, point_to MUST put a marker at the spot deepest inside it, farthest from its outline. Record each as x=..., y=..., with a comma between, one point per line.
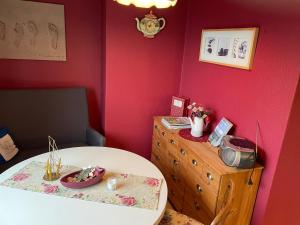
x=152, y=182
x=20, y=177
x=200, y=108
x=49, y=189
x=124, y=175
x=126, y=200
x=78, y=195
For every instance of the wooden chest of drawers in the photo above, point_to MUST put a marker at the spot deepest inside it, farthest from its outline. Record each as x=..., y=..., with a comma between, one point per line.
x=199, y=183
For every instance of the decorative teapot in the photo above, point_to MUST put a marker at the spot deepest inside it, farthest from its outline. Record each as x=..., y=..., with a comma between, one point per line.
x=150, y=25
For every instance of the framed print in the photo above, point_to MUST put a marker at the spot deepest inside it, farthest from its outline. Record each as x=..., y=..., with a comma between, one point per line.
x=229, y=47
x=32, y=30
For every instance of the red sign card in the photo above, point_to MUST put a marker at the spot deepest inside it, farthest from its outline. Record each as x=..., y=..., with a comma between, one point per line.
x=179, y=106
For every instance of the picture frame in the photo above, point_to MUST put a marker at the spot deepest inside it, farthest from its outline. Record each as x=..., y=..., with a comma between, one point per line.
x=32, y=31
x=229, y=47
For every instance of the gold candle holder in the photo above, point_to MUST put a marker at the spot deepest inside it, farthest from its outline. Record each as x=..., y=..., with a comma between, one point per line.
x=52, y=169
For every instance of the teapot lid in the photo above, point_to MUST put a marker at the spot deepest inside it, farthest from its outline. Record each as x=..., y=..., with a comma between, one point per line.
x=151, y=15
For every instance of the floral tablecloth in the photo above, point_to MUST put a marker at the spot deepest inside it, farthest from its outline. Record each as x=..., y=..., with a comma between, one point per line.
x=132, y=191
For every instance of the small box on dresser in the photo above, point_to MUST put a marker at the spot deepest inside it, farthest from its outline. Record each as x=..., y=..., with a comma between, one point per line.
x=198, y=180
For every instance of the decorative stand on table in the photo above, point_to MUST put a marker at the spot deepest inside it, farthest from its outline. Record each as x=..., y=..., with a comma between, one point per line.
x=186, y=134
x=50, y=174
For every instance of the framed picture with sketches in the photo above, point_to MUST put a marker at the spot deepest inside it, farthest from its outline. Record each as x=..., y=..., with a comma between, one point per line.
x=229, y=47
x=32, y=30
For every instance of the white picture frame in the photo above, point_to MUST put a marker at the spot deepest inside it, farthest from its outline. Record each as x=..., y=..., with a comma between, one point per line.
x=229, y=47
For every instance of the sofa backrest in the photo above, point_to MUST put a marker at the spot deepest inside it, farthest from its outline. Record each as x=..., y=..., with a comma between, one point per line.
x=33, y=114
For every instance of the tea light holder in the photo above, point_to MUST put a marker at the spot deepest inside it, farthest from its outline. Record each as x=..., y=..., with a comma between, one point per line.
x=112, y=184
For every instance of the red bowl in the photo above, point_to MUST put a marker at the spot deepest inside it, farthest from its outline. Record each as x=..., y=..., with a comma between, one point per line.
x=83, y=184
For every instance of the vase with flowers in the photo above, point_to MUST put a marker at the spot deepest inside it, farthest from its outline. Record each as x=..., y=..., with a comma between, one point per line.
x=199, y=118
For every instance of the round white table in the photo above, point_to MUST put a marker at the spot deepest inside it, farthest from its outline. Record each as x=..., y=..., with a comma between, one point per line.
x=19, y=207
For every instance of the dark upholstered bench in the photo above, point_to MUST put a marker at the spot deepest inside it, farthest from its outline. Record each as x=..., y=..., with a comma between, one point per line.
x=33, y=114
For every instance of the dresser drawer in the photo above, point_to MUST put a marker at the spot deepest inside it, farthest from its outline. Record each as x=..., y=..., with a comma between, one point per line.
x=159, y=130
x=172, y=144
x=175, y=194
x=194, y=163
x=195, y=208
x=174, y=164
x=158, y=156
x=172, y=140
x=211, y=178
x=158, y=143
x=172, y=149
x=175, y=179
x=183, y=152
x=159, y=153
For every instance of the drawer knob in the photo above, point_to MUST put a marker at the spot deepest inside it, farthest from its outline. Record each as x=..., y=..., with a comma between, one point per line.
x=163, y=133
x=158, y=144
x=199, y=189
x=156, y=127
x=172, y=142
x=209, y=176
x=194, y=162
x=182, y=151
x=197, y=205
x=175, y=162
x=173, y=192
x=157, y=157
x=174, y=178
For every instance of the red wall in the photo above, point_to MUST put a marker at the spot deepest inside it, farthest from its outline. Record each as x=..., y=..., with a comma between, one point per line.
x=283, y=204
x=265, y=93
x=141, y=74
x=83, y=65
